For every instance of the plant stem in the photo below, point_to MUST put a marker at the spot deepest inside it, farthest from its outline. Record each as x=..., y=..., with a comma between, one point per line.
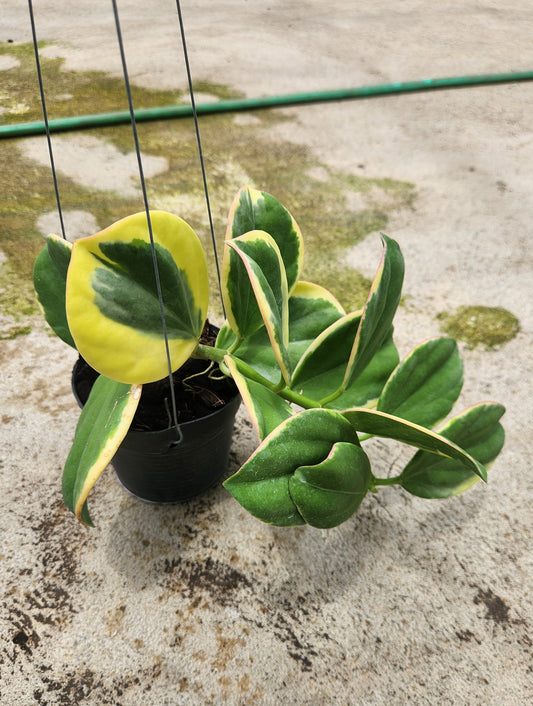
x=386, y=481
x=332, y=397
x=209, y=353
x=217, y=354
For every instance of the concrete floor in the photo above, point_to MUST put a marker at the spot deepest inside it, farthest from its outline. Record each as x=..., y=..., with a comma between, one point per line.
x=410, y=601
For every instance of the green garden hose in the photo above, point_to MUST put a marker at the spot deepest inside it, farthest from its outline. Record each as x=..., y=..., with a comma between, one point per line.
x=83, y=122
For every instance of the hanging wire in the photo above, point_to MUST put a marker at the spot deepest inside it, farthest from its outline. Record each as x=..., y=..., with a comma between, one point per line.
x=200, y=151
x=45, y=118
x=148, y=219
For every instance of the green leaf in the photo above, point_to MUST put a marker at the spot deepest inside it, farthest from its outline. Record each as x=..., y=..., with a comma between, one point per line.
x=388, y=426
x=242, y=309
x=103, y=423
x=426, y=384
x=479, y=432
x=378, y=314
x=267, y=411
x=366, y=388
x=312, y=309
x=321, y=369
x=261, y=486
x=264, y=267
x=60, y=251
x=49, y=281
x=328, y=493
x=257, y=210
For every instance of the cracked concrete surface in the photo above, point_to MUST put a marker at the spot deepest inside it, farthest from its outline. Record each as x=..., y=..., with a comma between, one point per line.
x=410, y=601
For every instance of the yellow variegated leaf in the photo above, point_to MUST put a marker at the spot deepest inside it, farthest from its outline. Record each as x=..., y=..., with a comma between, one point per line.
x=257, y=210
x=104, y=422
x=381, y=424
x=112, y=300
x=312, y=291
x=264, y=267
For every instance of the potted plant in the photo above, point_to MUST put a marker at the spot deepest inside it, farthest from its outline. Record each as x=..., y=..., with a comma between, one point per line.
x=316, y=381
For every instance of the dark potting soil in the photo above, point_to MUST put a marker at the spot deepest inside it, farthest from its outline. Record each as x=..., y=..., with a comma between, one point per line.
x=195, y=396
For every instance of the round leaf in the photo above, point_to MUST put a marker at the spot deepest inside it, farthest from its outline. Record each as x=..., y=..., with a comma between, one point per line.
x=112, y=300
x=257, y=210
x=329, y=493
x=426, y=384
x=479, y=432
x=261, y=486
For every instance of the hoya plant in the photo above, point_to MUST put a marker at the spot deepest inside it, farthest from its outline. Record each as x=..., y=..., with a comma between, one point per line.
x=317, y=381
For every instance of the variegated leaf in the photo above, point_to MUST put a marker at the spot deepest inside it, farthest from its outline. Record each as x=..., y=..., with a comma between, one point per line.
x=311, y=310
x=388, y=426
x=112, y=302
x=264, y=267
x=104, y=421
x=257, y=210
x=479, y=432
x=426, y=384
x=379, y=310
x=261, y=486
x=321, y=369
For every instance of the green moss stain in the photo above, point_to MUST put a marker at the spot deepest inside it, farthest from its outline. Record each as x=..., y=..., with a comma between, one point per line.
x=14, y=332
x=236, y=152
x=480, y=325
x=71, y=93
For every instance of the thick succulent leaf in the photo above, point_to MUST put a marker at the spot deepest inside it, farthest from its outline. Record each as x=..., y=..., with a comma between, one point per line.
x=321, y=369
x=386, y=425
x=261, y=486
x=50, y=280
x=366, y=388
x=479, y=432
x=112, y=301
x=266, y=409
x=426, y=384
x=104, y=422
x=264, y=267
x=328, y=493
x=242, y=310
x=311, y=310
x=257, y=210
x=379, y=310
x=226, y=337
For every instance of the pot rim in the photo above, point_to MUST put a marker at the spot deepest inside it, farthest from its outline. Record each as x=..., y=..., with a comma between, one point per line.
x=172, y=427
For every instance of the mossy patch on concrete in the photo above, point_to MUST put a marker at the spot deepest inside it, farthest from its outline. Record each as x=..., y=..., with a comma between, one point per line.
x=480, y=325
x=334, y=210
x=14, y=332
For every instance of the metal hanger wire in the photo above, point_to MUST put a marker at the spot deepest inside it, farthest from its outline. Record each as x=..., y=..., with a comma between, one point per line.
x=140, y=170
x=200, y=150
x=45, y=118
x=148, y=218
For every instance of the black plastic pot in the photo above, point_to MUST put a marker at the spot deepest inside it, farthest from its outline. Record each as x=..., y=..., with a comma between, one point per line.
x=156, y=467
